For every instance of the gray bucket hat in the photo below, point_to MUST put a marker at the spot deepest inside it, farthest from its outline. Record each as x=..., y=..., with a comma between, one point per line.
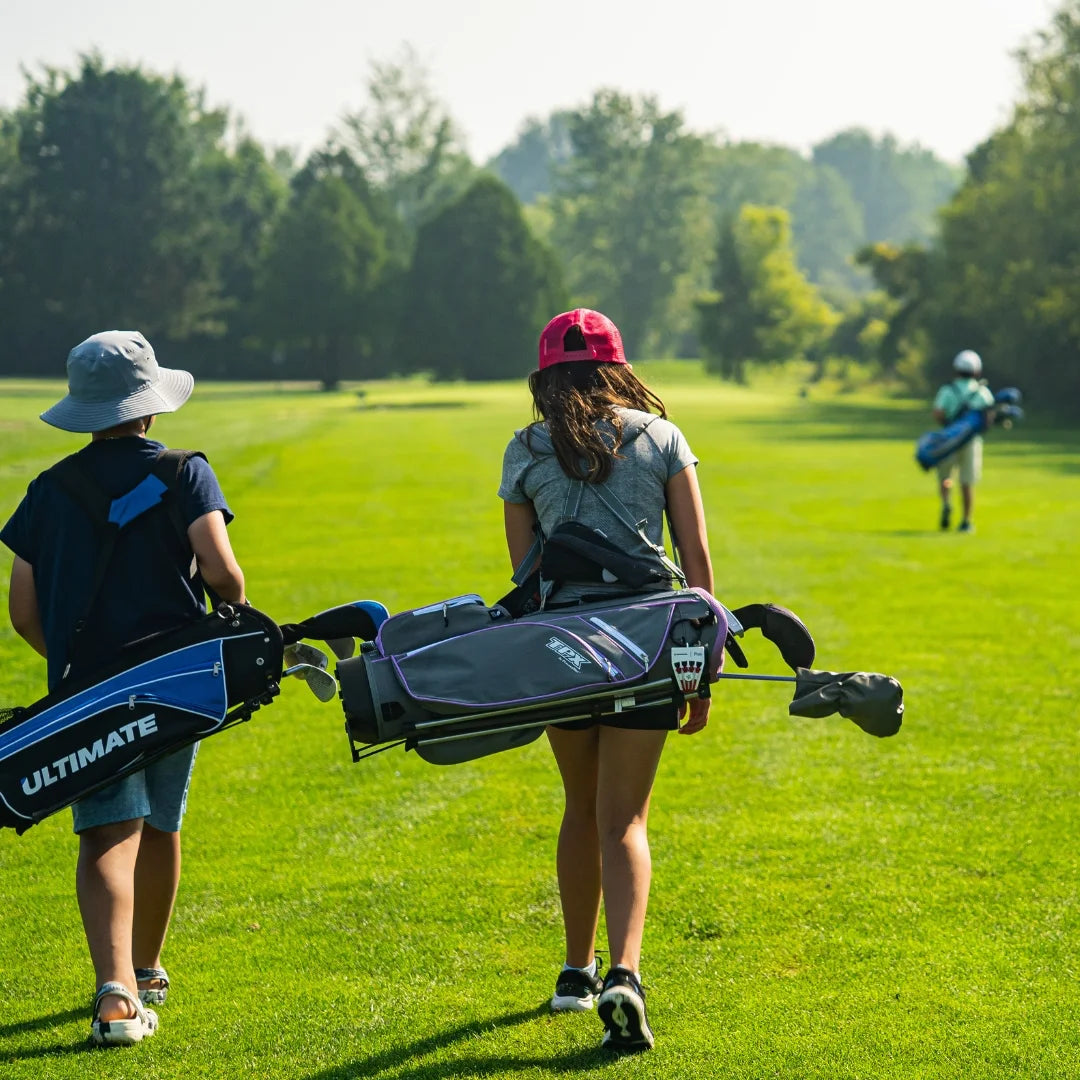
x=113, y=377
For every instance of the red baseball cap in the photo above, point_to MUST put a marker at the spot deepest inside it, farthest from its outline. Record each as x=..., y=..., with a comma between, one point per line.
x=603, y=342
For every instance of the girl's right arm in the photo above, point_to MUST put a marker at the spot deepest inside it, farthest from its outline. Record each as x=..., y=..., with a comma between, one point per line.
x=688, y=520
x=519, y=520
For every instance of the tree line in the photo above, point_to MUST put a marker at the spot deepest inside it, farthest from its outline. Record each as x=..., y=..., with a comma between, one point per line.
x=126, y=201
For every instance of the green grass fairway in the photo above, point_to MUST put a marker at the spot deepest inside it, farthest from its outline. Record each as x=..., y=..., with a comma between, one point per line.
x=825, y=905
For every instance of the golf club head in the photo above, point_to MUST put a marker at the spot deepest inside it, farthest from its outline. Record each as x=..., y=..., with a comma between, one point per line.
x=1009, y=395
x=320, y=682
x=301, y=654
x=342, y=647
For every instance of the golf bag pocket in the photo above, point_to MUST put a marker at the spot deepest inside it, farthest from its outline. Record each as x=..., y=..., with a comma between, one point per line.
x=494, y=688
x=550, y=660
x=436, y=622
x=160, y=695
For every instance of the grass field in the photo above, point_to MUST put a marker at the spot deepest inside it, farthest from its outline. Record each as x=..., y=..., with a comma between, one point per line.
x=824, y=904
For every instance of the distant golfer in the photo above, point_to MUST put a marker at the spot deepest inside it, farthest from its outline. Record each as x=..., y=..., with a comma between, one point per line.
x=966, y=392
x=603, y=425
x=129, y=832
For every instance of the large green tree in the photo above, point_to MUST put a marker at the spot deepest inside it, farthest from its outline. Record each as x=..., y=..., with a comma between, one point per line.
x=405, y=141
x=320, y=281
x=630, y=217
x=111, y=212
x=761, y=307
x=124, y=201
x=481, y=287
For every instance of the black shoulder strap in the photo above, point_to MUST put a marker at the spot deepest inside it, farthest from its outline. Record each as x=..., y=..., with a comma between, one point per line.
x=168, y=466
x=83, y=487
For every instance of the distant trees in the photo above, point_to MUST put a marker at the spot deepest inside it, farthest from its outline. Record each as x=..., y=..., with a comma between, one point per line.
x=1004, y=277
x=629, y=215
x=899, y=189
x=113, y=181
x=762, y=308
x=320, y=278
x=125, y=200
x=479, y=290
x=529, y=164
x=406, y=142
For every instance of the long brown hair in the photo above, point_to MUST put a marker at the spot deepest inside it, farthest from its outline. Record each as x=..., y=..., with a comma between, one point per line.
x=573, y=398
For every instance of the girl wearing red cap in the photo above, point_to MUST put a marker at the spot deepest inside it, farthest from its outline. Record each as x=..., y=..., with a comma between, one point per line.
x=598, y=423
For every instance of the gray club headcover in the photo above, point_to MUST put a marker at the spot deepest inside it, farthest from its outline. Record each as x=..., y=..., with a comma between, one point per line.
x=784, y=629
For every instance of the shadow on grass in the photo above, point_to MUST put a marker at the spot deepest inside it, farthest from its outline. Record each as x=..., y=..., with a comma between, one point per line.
x=409, y=406
x=401, y=1057
x=9, y=1032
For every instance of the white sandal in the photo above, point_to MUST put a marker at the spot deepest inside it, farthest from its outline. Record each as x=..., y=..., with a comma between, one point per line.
x=122, y=1032
x=153, y=995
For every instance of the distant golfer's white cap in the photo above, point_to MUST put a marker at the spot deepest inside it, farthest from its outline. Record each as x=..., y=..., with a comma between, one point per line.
x=967, y=363
x=114, y=377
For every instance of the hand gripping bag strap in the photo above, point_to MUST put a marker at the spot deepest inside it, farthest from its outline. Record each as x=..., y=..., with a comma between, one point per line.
x=78, y=482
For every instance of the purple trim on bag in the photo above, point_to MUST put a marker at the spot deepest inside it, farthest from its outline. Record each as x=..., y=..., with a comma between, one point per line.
x=716, y=659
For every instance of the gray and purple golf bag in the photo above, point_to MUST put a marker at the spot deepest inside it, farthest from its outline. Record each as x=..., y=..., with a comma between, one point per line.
x=460, y=679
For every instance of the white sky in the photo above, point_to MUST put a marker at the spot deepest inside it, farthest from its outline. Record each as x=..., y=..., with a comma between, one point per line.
x=936, y=72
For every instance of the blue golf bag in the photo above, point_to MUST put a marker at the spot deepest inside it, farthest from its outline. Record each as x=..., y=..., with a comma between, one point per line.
x=935, y=446
x=160, y=694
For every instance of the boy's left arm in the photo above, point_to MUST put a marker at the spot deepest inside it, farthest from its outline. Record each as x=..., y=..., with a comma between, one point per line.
x=23, y=605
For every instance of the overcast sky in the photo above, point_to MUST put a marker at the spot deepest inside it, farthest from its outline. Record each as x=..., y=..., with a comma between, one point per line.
x=936, y=72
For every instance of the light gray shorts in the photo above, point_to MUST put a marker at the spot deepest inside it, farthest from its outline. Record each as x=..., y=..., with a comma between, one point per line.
x=157, y=794
x=968, y=459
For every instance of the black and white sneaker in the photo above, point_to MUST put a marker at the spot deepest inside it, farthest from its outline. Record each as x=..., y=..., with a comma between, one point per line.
x=622, y=1009
x=576, y=990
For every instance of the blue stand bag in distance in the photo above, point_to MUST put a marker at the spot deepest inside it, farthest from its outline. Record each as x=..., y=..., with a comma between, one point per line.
x=936, y=446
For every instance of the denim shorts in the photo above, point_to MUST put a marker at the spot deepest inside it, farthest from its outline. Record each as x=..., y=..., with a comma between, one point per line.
x=157, y=794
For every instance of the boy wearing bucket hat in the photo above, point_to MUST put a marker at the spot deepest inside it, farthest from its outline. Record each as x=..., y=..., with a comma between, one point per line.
x=151, y=580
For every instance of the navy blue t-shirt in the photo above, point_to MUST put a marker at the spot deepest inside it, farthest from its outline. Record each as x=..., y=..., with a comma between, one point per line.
x=148, y=587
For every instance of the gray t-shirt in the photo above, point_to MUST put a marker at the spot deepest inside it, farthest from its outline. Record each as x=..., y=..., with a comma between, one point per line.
x=653, y=450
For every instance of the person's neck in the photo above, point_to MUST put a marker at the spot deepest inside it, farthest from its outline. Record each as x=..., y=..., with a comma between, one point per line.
x=102, y=436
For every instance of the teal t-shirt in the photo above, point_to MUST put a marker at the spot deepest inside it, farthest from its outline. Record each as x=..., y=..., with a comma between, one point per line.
x=961, y=395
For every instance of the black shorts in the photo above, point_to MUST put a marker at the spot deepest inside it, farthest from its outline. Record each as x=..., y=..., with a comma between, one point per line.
x=648, y=718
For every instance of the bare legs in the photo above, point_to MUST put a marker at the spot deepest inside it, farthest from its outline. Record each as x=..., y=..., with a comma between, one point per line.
x=967, y=494
x=607, y=777
x=126, y=883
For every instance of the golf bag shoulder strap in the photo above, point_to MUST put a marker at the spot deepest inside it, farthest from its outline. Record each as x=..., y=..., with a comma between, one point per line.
x=108, y=516
x=589, y=544
x=536, y=438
